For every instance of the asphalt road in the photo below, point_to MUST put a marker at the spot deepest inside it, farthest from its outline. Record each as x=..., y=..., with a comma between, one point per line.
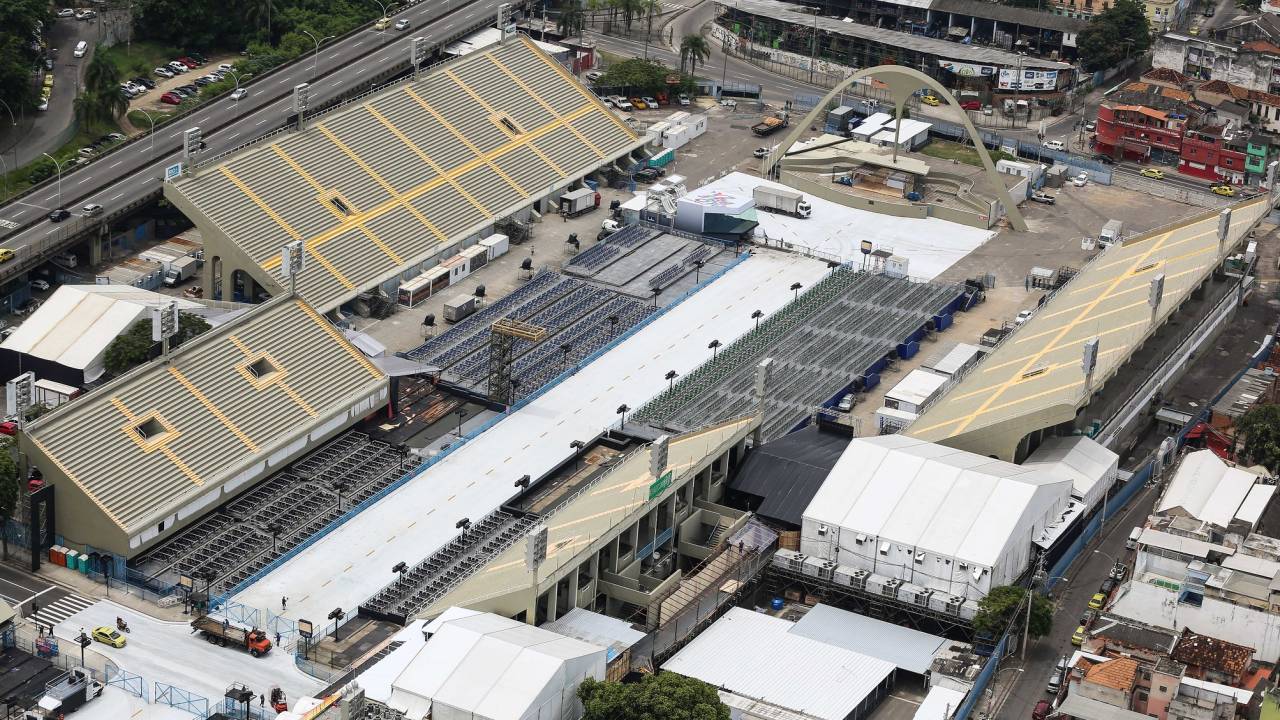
x=1071, y=599
x=128, y=174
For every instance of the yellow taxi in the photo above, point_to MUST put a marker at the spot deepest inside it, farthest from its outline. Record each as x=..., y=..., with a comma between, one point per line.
x=6, y=254
x=1077, y=638
x=1097, y=601
x=1153, y=173
x=109, y=635
x=1223, y=190
x=930, y=100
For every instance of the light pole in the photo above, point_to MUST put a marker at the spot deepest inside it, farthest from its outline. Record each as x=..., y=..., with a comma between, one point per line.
x=714, y=347
x=671, y=379
x=400, y=567
x=236, y=78
x=622, y=410
x=756, y=316
x=152, y=120
x=795, y=287
x=316, y=60
x=59, y=166
x=382, y=5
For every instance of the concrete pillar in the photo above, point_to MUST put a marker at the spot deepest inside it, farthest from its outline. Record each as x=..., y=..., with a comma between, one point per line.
x=552, y=594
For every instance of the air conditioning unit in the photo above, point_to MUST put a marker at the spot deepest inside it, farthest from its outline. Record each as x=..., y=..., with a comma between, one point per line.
x=842, y=575
x=783, y=558
x=891, y=588
x=811, y=566
x=921, y=598
x=954, y=603
x=858, y=581
x=874, y=584
x=827, y=570
x=797, y=562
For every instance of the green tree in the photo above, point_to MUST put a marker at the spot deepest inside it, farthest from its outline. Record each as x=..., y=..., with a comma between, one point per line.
x=259, y=12
x=18, y=20
x=638, y=74
x=1007, y=602
x=10, y=491
x=693, y=50
x=134, y=346
x=102, y=75
x=1119, y=32
x=1260, y=428
x=572, y=20
x=1249, y=6
x=666, y=696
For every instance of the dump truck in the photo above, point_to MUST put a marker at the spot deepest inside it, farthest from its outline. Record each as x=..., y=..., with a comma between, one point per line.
x=770, y=124
x=220, y=631
x=781, y=200
x=577, y=202
x=65, y=694
x=179, y=270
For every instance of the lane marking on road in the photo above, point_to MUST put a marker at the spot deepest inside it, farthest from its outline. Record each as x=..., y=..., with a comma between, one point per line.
x=117, y=196
x=261, y=121
x=114, y=164
x=233, y=137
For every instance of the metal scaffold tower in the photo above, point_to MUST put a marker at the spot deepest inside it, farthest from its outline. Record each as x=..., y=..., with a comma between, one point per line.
x=503, y=335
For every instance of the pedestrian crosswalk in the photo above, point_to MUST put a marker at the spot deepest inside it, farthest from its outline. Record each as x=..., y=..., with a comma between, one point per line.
x=60, y=609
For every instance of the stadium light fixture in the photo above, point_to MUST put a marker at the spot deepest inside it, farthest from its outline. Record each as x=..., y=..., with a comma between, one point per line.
x=714, y=347
x=796, y=288
x=756, y=316
x=671, y=378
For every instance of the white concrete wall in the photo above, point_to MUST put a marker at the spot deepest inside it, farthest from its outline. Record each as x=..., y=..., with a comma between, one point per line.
x=1233, y=623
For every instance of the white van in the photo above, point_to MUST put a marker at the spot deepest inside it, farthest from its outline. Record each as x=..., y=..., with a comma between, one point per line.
x=1053, y=145
x=1132, y=542
x=81, y=48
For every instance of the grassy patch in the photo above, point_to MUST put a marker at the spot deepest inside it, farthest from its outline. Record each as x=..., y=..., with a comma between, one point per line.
x=35, y=172
x=140, y=58
x=966, y=154
x=140, y=121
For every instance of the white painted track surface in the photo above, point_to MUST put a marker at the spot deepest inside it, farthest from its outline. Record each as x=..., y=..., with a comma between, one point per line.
x=352, y=563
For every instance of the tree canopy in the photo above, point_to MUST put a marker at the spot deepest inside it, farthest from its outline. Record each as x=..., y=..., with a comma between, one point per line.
x=1004, y=603
x=667, y=696
x=9, y=491
x=134, y=346
x=241, y=23
x=1119, y=32
x=18, y=19
x=644, y=75
x=693, y=50
x=1260, y=427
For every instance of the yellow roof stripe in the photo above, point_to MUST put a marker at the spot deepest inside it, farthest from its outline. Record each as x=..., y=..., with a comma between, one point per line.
x=337, y=336
x=66, y=471
x=573, y=82
x=447, y=177
x=490, y=109
x=463, y=139
x=213, y=409
x=547, y=106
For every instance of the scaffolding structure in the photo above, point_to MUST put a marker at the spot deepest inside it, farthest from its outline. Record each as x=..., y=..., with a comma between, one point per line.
x=502, y=339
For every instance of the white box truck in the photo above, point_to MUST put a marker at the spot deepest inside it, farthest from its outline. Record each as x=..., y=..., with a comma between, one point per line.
x=179, y=270
x=782, y=200
x=1112, y=233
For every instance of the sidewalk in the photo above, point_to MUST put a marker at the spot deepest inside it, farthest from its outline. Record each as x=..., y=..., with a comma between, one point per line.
x=121, y=593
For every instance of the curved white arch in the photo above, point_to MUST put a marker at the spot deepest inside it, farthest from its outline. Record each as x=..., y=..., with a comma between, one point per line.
x=902, y=82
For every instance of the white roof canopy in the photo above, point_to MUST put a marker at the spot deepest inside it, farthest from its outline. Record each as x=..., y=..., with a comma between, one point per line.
x=1089, y=466
x=934, y=498
x=1206, y=488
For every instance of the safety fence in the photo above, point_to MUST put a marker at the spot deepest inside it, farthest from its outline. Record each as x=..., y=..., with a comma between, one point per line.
x=180, y=699
x=1098, y=172
x=133, y=684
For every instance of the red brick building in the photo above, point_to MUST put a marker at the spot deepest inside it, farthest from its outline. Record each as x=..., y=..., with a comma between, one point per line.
x=1135, y=131
x=1209, y=153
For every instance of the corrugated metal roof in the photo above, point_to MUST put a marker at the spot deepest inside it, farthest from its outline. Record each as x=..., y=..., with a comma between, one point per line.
x=906, y=648
x=1180, y=544
x=595, y=628
x=386, y=183
x=756, y=656
x=206, y=415
x=1079, y=706
x=941, y=702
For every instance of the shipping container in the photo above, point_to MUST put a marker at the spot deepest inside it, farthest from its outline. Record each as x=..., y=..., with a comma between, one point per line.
x=476, y=257
x=497, y=244
x=459, y=308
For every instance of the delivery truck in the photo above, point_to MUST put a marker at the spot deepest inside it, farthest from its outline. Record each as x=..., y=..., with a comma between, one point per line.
x=770, y=124
x=782, y=200
x=1112, y=233
x=221, y=631
x=577, y=202
x=65, y=694
x=179, y=270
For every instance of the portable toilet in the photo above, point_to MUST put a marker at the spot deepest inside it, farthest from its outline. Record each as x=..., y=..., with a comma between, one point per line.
x=58, y=555
x=82, y=563
x=70, y=558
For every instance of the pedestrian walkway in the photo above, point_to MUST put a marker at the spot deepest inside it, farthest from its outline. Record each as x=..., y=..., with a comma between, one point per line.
x=58, y=606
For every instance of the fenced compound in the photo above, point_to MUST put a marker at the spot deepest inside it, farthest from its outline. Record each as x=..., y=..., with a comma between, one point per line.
x=836, y=330
x=278, y=514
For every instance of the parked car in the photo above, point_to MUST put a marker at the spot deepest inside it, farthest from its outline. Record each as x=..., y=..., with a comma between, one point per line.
x=177, y=67
x=846, y=403
x=1090, y=126
x=170, y=98
x=1097, y=601
x=1077, y=638
x=1054, y=145
x=58, y=216
x=1153, y=173
x=1041, y=710
x=638, y=103
x=402, y=24
x=760, y=152
x=39, y=284
x=28, y=307
x=623, y=104
x=190, y=62
x=115, y=136
x=1108, y=586
x=970, y=105
x=1055, y=682
x=651, y=102
x=684, y=99
x=1043, y=197
x=87, y=152
x=163, y=72
x=144, y=82
x=930, y=100
x=66, y=13
x=1023, y=316
x=1104, y=159
x=238, y=93
x=198, y=56
x=1080, y=180
x=202, y=81
x=647, y=175
x=226, y=66
x=1223, y=190
x=1118, y=572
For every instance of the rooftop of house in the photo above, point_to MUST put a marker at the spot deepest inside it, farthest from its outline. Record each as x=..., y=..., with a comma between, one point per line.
x=1211, y=653
x=1119, y=673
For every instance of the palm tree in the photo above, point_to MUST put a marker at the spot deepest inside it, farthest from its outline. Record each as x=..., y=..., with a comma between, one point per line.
x=572, y=21
x=630, y=8
x=649, y=8
x=102, y=76
x=693, y=50
x=258, y=11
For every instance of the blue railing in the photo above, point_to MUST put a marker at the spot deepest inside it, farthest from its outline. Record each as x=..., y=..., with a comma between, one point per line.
x=570, y=372
x=984, y=678
x=184, y=700
x=135, y=685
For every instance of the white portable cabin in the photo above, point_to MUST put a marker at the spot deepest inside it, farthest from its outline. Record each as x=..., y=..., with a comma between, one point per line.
x=697, y=125
x=654, y=132
x=956, y=360
x=675, y=137
x=916, y=389
x=476, y=257
x=52, y=394
x=497, y=244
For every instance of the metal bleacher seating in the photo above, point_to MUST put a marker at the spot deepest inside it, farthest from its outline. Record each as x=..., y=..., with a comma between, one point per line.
x=236, y=540
x=837, y=329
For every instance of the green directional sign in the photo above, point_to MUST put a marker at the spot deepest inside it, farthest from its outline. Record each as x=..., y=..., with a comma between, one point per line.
x=657, y=487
